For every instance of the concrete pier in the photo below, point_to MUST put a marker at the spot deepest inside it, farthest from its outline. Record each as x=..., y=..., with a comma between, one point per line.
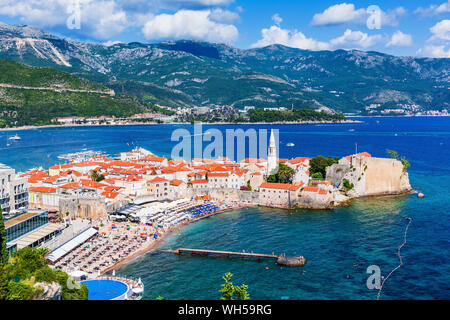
x=281, y=259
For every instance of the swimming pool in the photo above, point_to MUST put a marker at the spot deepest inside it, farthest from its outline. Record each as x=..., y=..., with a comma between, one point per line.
x=103, y=289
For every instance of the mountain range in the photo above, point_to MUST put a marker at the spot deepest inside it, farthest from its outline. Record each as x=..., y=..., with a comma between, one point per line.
x=195, y=73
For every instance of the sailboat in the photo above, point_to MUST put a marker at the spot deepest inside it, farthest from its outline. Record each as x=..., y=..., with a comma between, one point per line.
x=16, y=137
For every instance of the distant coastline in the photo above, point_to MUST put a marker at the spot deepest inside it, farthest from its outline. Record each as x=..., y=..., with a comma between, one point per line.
x=172, y=123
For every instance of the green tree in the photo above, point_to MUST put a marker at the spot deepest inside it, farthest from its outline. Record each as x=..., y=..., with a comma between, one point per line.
x=95, y=176
x=232, y=292
x=320, y=163
x=3, y=260
x=405, y=163
x=3, y=251
x=285, y=174
x=394, y=155
x=347, y=185
x=317, y=175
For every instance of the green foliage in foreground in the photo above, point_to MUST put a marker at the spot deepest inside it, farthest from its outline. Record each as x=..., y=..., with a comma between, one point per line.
x=3, y=260
x=232, y=292
x=3, y=250
x=319, y=165
x=27, y=267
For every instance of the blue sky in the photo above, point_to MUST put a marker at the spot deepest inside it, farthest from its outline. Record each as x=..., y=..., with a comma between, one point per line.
x=401, y=27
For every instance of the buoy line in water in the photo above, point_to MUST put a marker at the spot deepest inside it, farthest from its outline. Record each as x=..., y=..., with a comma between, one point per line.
x=399, y=256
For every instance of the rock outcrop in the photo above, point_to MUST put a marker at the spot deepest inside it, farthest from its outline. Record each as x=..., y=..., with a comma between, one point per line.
x=369, y=176
x=51, y=291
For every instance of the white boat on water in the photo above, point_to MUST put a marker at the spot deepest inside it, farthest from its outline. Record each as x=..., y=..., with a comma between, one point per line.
x=290, y=144
x=16, y=137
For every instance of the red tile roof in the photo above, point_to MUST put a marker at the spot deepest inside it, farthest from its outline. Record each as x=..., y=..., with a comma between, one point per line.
x=176, y=182
x=92, y=184
x=299, y=160
x=72, y=185
x=311, y=189
x=111, y=188
x=219, y=174
x=110, y=195
x=271, y=185
x=154, y=158
x=51, y=179
x=42, y=189
x=158, y=179
x=62, y=166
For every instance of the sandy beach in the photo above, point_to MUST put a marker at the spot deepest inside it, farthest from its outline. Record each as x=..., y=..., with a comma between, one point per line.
x=156, y=242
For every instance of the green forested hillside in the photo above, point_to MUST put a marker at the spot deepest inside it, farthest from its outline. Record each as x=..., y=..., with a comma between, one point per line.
x=25, y=106
x=15, y=73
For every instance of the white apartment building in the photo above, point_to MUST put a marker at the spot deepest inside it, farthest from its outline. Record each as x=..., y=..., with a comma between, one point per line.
x=13, y=190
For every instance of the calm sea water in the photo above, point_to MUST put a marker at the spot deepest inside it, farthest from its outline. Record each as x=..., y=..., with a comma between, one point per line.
x=339, y=244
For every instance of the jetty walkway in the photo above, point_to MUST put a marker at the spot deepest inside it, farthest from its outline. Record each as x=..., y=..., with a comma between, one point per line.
x=281, y=259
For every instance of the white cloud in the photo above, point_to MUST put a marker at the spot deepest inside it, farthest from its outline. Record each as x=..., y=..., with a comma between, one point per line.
x=294, y=39
x=99, y=19
x=438, y=45
x=277, y=19
x=440, y=31
x=434, y=9
x=435, y=51
x=443, y=8
x=189, y=24
x=224, y=16
x=339, y=14
x=347, y=13
x=392, y=17
x=103, y=19
x=355, y=40
x=400, y=39
x=111, y=43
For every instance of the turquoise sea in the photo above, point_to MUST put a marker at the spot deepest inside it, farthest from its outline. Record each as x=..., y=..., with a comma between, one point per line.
x=339, y=244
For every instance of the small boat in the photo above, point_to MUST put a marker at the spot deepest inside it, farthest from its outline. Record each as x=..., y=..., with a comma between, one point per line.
x=351, y=130
x=16, y=137
x=290, y=144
